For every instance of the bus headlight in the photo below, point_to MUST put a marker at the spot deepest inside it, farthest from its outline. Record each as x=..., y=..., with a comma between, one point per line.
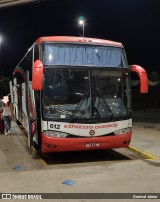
x=55, y=134
x=122, y=131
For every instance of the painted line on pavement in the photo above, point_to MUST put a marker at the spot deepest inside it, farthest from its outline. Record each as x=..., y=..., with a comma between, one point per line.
x=143, y=153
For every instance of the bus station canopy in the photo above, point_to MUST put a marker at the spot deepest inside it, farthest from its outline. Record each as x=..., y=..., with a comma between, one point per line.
x=7, y=3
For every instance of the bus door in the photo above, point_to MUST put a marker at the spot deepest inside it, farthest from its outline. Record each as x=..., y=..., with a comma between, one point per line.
x=30, y=107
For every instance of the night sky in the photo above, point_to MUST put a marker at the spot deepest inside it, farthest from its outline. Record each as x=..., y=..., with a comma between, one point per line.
x=134, y=23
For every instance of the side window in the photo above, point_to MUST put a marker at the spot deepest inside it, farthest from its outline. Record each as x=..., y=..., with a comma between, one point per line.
x=23, y=66
x=36, y=53
x=29, y=63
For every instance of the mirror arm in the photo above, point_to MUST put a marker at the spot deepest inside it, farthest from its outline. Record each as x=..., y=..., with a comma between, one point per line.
x=143, y=77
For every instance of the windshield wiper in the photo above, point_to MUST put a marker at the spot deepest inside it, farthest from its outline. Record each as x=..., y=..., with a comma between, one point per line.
x=107, y=107
x=78, y=106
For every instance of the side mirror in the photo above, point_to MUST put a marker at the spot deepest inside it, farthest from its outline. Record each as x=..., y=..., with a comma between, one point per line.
x=37, y=75
x=143, y=77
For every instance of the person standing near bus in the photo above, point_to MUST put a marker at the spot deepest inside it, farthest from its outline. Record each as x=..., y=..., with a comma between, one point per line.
x=7, y=117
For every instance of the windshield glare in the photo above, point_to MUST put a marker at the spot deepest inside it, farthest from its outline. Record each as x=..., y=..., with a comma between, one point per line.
x=85, y=94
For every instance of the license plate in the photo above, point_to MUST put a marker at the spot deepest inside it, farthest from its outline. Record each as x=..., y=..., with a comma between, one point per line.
x=93, y=144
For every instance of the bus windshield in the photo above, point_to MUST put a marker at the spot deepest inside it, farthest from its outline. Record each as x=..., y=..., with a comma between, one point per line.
x=80, y=95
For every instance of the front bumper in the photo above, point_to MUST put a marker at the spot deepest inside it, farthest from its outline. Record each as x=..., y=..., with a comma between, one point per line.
x=50, y=144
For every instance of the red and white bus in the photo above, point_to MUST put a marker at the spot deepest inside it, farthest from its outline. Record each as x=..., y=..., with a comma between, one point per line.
x=74, y=93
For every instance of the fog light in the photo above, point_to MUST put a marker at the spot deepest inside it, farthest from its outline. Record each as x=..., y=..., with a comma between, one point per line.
x=47, y=145
x=54, y=146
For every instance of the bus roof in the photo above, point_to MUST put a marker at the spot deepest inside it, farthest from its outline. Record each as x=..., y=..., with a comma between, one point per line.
x=78, y=40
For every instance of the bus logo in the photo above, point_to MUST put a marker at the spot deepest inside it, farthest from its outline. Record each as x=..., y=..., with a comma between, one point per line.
x=92, y=132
